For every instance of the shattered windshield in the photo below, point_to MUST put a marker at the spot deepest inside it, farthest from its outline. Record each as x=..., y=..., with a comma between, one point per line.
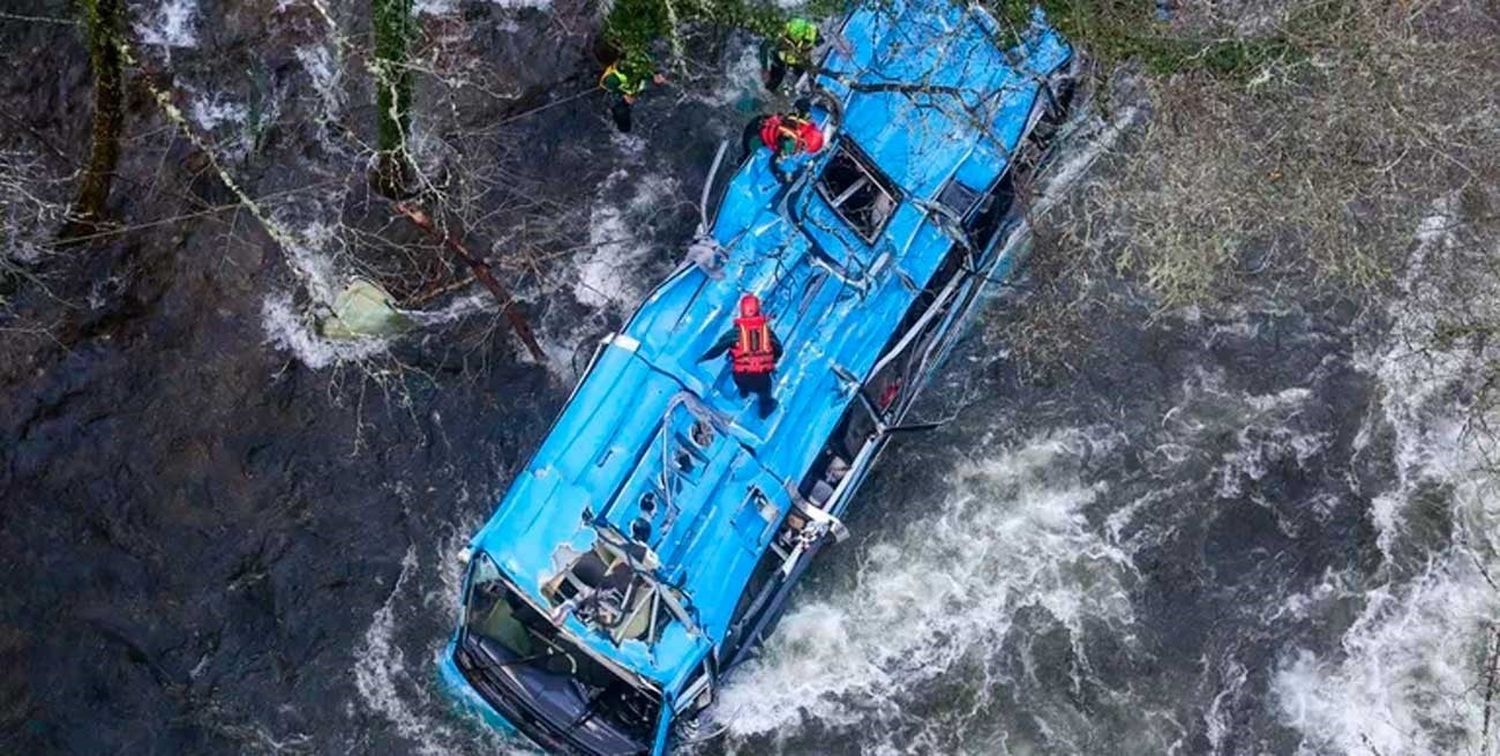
x=578, y=695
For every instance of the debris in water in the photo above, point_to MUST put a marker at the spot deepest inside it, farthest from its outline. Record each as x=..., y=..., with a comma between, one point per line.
x=364, y=309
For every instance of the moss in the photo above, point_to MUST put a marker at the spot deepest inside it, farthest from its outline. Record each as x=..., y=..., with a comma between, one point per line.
x=103, y=20
x=394, y=30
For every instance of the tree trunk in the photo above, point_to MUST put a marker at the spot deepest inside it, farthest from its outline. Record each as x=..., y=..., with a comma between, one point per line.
x=394, y=27
x=102, y=20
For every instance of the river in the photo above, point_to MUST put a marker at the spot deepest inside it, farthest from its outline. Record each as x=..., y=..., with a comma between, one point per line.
x=1261, y=529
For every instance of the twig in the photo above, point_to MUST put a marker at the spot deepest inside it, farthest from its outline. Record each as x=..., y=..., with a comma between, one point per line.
x=37, y=19
x=482, y=272
x=433, y=292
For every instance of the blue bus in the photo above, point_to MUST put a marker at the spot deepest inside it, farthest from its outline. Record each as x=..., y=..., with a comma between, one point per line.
x=650, y=544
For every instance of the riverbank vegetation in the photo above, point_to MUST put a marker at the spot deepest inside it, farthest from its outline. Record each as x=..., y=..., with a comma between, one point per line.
x=633, y=27
x=1302, y=146
x=1304, y=139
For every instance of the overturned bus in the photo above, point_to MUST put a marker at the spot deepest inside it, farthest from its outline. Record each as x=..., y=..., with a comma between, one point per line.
x=651, y=543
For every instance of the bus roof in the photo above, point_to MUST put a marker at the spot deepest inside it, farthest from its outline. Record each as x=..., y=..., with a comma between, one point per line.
x=927, y=98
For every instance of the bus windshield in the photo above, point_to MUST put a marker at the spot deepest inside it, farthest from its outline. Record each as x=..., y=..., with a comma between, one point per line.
x=522, y=655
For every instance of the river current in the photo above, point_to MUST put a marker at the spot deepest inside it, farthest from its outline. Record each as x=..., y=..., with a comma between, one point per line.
x=1270, y=529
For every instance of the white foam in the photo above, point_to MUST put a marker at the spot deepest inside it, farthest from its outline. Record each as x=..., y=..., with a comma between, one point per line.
x=1098, y=139
x=1086, y=138
x=1009, y=534
x=310, y=246
x=1408, y=680
x=290, y=329
x=1409, y=677
x=1218, y=722
x=1266, y=439
x=609, y=270
x=381, y=663
x=173, y=24
x=741, y=77
x=1431, y=443
x=405, y=696
x=210, y=113
x=226, y=120
x=321, y=63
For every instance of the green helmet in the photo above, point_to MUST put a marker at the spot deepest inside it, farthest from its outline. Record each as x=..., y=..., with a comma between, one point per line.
x=801, y=31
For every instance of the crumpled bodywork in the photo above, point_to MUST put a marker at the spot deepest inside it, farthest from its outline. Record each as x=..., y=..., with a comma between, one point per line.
x=919, y=95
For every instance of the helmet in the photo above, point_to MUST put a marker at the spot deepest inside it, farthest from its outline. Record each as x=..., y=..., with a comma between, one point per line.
x=749, y=306
x=801, y=30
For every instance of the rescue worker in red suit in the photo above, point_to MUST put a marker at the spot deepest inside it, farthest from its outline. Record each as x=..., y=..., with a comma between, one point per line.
x=785, y=134
x=790, y=133
x=753, y=352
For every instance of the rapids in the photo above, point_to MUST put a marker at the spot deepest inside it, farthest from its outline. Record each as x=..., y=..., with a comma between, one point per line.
x=1265, y=530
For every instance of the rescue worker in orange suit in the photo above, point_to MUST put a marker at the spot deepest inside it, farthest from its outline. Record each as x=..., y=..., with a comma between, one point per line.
x=753, y=353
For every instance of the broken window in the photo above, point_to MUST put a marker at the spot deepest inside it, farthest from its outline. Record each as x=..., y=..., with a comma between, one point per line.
x=958, y=198
x=857, y=192
x=986, y=220
x=602, y=589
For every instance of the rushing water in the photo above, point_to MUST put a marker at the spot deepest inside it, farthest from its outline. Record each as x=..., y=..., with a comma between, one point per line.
x=1269, y=530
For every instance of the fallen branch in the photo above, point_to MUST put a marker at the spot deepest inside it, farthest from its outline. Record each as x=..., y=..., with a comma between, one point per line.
x=482, y=272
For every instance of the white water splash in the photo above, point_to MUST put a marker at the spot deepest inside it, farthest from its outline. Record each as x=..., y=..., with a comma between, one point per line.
x=322, y=65
x=609, y=269
x=1082, y=140
x=1267, y=438
x=1009, y=535
x=741, y=79
x=1217, y=721
x=1409, y=679
x=380, y=666
x=1410, y=675
x=1419, y=402
x=311, y=247
x=405, y=696
x=286, y=328
x=173, y=24
x=1094, y=138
